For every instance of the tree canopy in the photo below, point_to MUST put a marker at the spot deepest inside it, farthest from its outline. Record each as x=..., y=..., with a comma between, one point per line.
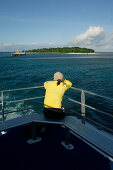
x=62, y=50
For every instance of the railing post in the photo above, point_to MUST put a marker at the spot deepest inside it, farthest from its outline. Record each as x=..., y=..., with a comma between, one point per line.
x=2, y=101
x=83, y=106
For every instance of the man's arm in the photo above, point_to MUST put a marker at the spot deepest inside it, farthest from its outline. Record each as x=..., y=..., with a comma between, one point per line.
x=45, y=84
x=67, y=83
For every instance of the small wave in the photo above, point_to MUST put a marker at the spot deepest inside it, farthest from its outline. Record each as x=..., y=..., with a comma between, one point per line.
x=13, y=114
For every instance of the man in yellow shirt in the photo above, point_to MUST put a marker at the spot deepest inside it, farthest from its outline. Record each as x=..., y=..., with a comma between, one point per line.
x=54, y=94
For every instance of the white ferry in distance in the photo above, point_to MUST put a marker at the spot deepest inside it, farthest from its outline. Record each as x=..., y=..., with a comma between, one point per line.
x=17, y=53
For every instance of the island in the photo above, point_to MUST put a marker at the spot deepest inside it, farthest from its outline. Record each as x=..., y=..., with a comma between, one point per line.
x=64, y=50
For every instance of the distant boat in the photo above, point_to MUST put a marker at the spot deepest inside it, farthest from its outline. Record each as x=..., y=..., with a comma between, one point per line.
x=17, y=53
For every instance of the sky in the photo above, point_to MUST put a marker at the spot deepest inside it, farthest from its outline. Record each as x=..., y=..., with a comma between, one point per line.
x=26, y=24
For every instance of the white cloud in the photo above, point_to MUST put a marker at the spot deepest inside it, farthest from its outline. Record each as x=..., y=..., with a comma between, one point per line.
x=93, y=36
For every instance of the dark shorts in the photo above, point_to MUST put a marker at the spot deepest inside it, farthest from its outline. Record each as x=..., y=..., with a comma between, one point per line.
x=53, y=113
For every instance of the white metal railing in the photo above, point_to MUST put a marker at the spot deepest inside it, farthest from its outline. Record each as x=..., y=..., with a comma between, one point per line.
x=84, y=106
x=82, y=103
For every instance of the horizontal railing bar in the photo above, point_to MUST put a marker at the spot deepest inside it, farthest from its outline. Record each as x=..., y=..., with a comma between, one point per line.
x=10, y=90
x=17, y=110
x=76, y=88
x=99, y=124
x=24, y=99
x=22, y=89
x=94, y=94
x=29, y=108
x=81, y=103
x=104, y=112
x=90, y=107
x=91, y=120
x=39, y=102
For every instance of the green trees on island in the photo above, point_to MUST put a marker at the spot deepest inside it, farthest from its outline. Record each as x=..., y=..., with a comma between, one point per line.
x=62, y=50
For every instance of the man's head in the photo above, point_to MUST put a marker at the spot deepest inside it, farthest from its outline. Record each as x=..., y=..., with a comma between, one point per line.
x=58, y=76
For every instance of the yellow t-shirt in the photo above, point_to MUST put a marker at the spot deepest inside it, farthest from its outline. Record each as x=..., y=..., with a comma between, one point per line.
x=54, y=94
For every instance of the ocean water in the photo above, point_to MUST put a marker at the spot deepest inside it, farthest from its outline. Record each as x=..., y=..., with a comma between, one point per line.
x=93, y=73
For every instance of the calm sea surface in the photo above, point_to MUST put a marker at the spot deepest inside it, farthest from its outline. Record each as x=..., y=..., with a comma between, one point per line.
x=89, y=72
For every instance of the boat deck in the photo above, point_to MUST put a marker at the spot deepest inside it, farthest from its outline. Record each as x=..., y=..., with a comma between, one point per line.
x=17, y=154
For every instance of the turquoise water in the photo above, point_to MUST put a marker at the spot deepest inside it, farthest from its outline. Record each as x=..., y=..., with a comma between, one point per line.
x=89, y=72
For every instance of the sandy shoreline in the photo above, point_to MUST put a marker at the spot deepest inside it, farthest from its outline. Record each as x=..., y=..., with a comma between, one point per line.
x=81, y=53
